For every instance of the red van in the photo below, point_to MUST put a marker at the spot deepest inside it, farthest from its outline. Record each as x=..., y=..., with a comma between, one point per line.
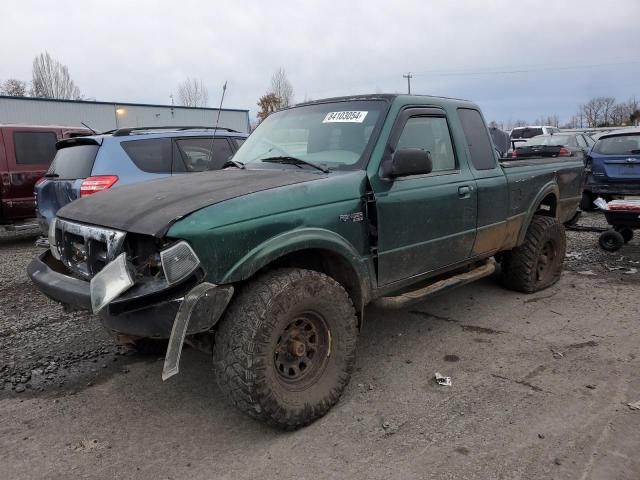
x=25, y=154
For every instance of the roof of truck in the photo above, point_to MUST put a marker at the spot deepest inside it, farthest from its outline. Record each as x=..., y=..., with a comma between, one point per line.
x=376, y=96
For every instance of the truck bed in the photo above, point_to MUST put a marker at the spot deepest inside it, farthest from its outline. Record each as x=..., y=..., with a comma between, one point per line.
x=527, y=178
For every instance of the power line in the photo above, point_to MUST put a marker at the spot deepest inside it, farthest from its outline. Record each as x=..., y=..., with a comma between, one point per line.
x=408, y=76
x=435, y=73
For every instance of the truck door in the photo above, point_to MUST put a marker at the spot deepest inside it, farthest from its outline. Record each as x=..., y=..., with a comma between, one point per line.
x=491, y=183
x=28, y=153
x=425, y=222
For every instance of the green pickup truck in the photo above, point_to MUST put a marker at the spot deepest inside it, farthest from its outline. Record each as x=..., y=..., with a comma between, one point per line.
x=327, y=207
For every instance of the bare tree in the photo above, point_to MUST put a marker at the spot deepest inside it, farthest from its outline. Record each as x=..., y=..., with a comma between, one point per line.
x=607, y=106
x=620, y=114
x=51, y=79
x=14, y=88
x=193, y=93
x=282, y=88
x=592, y=111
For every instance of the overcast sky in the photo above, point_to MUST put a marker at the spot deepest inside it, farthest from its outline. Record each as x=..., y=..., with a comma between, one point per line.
x=140, y=51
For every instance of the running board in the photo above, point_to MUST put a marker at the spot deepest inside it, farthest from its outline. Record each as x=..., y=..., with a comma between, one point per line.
x=416, y=296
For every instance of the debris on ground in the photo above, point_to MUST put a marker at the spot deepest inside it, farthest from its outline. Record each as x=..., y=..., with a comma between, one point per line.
x=442, y=380
x=634, y=405
x=627, y=270
x=587, y=272
x=556, y=354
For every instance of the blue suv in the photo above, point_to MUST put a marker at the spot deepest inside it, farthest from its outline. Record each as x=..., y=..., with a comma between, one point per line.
x=613, y=167
x=86, y=165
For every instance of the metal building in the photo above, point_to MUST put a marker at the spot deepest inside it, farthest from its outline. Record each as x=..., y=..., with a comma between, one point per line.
x=103, y=116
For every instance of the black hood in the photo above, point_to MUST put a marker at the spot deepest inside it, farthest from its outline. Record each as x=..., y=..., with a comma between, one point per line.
x=152, y=207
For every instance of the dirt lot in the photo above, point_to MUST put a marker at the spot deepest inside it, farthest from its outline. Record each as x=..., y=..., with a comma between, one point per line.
x=540, y=390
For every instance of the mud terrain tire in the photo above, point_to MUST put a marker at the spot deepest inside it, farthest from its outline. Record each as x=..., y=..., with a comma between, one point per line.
x=285, y=349
x=537, y=263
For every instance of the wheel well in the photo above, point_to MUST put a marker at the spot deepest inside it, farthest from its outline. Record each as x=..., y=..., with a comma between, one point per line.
x=548, y=206
x=329, y=263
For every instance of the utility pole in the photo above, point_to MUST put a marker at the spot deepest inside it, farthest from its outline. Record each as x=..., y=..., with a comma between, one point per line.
x=408, y=76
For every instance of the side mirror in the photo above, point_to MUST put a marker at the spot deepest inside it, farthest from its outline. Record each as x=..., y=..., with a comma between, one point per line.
x=410, y=161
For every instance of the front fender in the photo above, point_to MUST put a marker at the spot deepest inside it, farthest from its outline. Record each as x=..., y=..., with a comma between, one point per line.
x=297, y=240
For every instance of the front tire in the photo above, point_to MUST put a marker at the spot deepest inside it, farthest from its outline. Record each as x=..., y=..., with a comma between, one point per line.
x=537, y=263
x=285, y=349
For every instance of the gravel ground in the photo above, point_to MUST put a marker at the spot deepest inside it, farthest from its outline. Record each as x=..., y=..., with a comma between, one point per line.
x=540, y=389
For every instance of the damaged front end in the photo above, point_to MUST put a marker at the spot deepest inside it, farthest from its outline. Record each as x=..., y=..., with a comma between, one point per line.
x=138, y=285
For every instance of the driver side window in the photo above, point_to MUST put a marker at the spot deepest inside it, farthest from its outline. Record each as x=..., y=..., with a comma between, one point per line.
x=432, y=135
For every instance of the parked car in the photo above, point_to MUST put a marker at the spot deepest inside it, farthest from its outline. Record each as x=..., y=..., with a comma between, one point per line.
x=613, y=167
x=84, y=166
x=26, y=152
x=524, y=133
x=554, y=145
x=335, y=203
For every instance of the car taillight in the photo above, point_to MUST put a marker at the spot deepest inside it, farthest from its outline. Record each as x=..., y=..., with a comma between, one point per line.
x=514, y=154
x=92, y=185
x=564, y=152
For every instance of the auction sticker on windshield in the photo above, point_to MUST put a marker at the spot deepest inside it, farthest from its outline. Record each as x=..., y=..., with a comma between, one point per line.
x=353, y=117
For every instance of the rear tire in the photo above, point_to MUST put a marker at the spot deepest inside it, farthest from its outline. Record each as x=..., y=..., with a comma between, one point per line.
x=537, y=263
x=285, y=349
x=611, y=241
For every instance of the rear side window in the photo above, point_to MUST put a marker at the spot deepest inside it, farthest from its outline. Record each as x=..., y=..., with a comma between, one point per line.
x=526, y=132
x=239, y=141
x=200, y=154
x=475, y=131
x=74, y=162
x=34, y=148
x=151, y=155
x=581, y=141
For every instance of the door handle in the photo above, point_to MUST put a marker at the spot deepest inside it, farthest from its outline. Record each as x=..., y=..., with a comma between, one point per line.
x=464, y=192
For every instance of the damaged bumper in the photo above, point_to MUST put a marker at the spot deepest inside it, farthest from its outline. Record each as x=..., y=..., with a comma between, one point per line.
x=149, y=310
x=612, y=188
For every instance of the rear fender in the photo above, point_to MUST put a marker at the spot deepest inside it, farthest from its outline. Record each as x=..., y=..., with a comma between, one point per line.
x=550, y=188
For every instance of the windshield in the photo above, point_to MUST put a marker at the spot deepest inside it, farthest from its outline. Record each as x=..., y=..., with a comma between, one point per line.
x=547, y=140
x=331, y=135
x=526, y=132
x=621, y=145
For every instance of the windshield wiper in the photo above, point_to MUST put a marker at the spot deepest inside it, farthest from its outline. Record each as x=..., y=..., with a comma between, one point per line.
x=234, y=163
x=51, y=175
x=293, y=161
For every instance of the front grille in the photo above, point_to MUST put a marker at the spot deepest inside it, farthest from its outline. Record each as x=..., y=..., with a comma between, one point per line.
x=86, y=249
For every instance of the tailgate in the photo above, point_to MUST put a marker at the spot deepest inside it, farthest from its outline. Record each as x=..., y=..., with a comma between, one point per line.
x=61, y=185
x=622, y=167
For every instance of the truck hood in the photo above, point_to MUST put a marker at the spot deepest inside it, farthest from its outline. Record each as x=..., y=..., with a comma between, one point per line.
x=151, y=207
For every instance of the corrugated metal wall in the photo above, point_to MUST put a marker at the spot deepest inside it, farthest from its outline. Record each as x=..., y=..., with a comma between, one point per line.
x=106, y=116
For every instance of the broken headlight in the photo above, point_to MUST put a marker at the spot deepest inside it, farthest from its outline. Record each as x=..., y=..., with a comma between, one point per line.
x=110, y=282
x=178, y=261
